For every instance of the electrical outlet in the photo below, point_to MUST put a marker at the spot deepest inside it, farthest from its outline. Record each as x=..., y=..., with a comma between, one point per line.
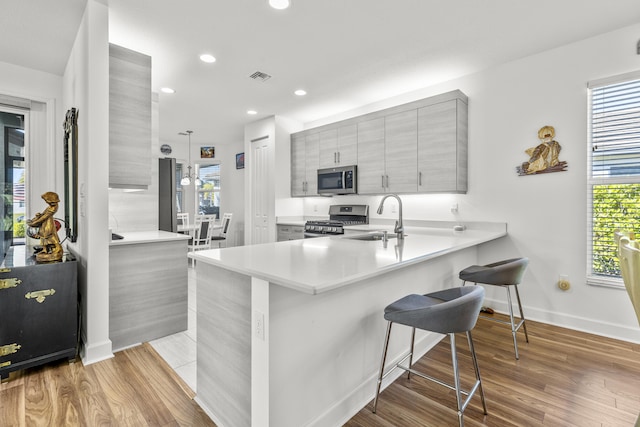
x=315, y=208
x=454, y=208
x=563, y=282
x=259, y=319
x=394, y=208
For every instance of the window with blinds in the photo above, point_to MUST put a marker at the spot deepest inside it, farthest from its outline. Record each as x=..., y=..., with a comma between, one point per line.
x=614, y=172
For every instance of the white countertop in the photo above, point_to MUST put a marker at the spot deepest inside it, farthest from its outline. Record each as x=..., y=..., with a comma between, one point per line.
x=325, y=263
x=137, y=237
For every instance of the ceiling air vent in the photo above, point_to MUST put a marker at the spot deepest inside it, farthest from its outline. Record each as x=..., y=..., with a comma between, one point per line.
x=260, y=76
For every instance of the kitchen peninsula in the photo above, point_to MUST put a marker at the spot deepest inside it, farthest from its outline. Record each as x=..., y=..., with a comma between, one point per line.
x=148, y=286
x=290, y=333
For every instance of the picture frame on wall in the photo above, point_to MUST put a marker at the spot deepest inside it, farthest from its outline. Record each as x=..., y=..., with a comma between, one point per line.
x=207, y=152
x=240, y=161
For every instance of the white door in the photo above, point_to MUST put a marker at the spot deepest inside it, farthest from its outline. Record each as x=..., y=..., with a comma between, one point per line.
x=261, y=180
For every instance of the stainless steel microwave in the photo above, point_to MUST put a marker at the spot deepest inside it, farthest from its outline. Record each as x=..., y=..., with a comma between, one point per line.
x=339, y=180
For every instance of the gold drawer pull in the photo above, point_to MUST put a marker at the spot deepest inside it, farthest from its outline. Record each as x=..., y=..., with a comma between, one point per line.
x=9, y=349
x=10, y=282
x=40, y=295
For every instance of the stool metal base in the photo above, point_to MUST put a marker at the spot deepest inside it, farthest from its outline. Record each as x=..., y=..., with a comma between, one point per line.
x=514, y=326
x=461, y=404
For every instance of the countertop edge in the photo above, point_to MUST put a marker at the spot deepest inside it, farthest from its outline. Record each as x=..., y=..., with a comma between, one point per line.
x=208, y=257
x=142, y=237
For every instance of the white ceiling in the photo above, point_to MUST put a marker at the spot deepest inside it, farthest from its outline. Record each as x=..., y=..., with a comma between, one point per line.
x=344, y=53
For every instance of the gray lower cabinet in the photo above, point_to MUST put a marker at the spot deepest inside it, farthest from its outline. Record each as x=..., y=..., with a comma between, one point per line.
x=290, y=232
x=38, y=311
x=147, y=291
x=129, y=118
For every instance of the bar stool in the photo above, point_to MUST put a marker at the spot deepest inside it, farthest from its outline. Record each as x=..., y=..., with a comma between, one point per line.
x=445, y=312
x=505, y=273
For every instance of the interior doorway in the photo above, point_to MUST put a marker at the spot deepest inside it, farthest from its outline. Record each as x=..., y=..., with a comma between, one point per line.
x=14, y=177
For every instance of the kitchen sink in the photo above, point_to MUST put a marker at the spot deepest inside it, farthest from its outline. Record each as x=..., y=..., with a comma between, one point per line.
x=375, y=235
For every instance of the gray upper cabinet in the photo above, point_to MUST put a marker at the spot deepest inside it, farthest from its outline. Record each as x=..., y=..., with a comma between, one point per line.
x=400, y=152
x=442, y=147
x=370, y=156
x=339, y=146
x=304, y=164
x=129, y=118
x=419, y=147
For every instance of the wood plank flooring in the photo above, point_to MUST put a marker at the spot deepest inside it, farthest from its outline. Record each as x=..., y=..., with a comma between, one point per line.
x=563, y=378
x=135, y=388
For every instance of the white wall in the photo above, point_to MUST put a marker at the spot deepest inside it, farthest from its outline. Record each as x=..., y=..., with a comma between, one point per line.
x=546, y=214
x=86, y=87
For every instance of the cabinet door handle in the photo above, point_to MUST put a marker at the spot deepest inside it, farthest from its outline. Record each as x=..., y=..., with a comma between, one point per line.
x=9, y=282
x=382, y=176
x=40, y=295
x=338, y=157
x=335, y=157
x=6, y=350
x=387, y=176
x=419, y=178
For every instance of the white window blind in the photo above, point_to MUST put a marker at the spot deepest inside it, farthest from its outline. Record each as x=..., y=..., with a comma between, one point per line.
x=614, y=172
x=615, y=125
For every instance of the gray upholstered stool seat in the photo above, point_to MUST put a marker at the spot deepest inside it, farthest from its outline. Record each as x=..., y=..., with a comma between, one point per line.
x=446, y=312
x=505, y=273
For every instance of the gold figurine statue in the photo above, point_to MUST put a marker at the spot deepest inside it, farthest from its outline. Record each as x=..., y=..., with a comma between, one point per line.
x=47, y=232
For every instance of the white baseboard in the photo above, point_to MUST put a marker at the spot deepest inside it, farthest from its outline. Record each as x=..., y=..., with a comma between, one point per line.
x=345, y=409
x=94, y=353
x=578, y=323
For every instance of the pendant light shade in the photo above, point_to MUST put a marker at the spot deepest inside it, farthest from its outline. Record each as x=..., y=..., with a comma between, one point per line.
x=187, y=178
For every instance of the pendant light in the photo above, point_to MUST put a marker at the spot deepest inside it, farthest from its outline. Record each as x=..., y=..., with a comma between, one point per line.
x=186, y=179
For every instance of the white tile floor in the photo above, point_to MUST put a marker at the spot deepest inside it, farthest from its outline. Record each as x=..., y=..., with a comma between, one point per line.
x=179, y=350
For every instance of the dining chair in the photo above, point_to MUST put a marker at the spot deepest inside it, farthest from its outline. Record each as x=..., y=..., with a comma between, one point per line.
x=202, y=233
x=629, y=257
x=221, y=237
x=183, y=222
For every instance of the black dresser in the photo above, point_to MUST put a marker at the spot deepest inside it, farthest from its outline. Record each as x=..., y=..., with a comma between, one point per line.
x=38, y=310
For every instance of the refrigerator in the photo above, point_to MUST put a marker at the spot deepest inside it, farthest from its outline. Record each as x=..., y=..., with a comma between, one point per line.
x=167, y=208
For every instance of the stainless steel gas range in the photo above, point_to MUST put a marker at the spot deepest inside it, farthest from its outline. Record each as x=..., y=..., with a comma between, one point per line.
x=339, y=216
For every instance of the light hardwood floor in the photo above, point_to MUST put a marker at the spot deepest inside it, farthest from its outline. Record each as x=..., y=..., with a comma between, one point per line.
x=563, y=378
x=135, y=388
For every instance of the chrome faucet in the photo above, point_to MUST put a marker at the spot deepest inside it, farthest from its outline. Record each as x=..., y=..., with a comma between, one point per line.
x=399, y=229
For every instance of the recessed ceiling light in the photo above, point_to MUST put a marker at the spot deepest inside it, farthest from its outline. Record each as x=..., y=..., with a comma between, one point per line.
x=205, y=57
x=167, y=90
x=252, y=112
x=300, y=92
x=279, y=4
